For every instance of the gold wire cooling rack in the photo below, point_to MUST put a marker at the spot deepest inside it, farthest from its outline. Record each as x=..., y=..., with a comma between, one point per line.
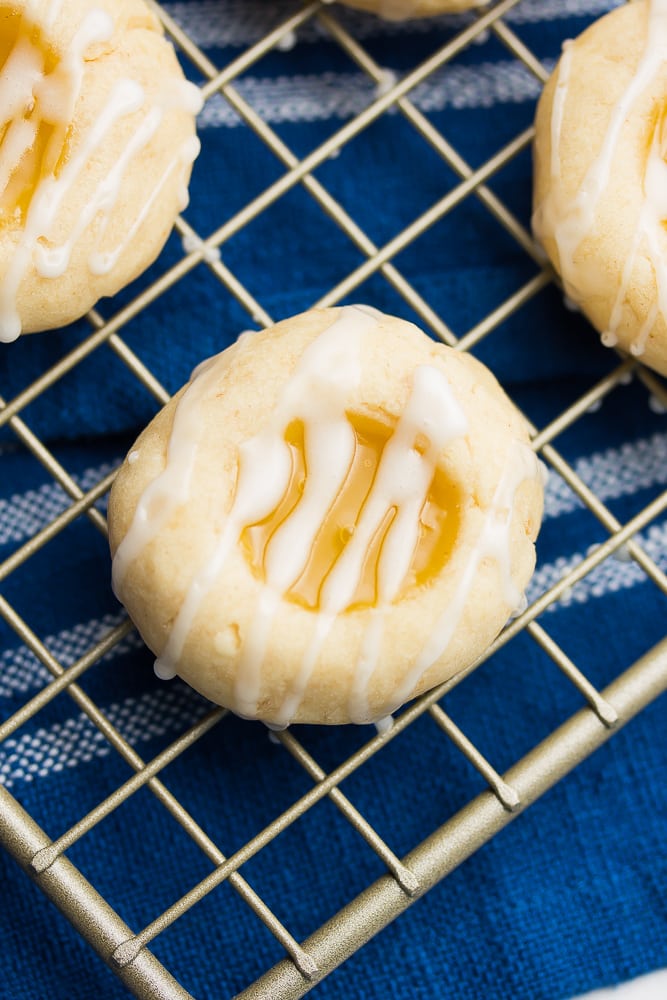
x=126, y=950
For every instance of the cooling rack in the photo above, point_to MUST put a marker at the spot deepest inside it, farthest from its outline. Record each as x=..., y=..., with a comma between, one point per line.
x=147, y=800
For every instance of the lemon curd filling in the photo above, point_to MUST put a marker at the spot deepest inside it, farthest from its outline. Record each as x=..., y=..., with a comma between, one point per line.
x=33, y=142
x=438, y=528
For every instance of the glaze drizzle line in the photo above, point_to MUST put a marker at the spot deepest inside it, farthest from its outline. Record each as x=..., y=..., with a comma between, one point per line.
x=38, y=97
x=572, y=220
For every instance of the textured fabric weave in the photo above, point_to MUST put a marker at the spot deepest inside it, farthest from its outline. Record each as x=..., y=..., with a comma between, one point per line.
x=384, y=178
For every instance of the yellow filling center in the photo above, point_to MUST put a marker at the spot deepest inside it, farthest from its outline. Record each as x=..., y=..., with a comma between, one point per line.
x=439, y=520
x=32, y=146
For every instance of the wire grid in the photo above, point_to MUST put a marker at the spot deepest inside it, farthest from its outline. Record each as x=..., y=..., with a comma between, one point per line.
x=127, y=950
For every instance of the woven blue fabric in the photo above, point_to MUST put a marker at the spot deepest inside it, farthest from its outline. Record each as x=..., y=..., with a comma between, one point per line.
x=385, y=178
x=571, y=895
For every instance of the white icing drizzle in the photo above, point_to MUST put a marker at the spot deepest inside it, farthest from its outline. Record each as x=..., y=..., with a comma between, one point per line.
x=172, y=487
x=656, y=405
x=366, y=664
x=384, y=725
x=387, y=82
x=520, y=608
x=320, y=388
x=543, y=471
x=164, y=671
x=52, y=11
x=401, y=484
x=558, y=109
x=46, y=11
x=29, y=96
x=192, y=242
x=319, y=393
x=494, y=541
x=287, y=41
x=570, y=221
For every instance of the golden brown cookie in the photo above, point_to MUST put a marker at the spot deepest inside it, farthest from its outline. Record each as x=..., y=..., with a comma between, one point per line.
x=96, y=149
x=334, y=515
x=600, y=197
x=405, y=10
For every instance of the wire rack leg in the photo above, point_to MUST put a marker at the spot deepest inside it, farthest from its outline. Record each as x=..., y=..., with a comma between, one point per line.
x=468, y=830
x=86, y=910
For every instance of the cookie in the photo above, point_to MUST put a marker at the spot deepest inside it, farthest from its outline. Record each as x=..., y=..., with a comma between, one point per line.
x=600, y=193
x=95, y=154
x=332, y=516
x=404, y=10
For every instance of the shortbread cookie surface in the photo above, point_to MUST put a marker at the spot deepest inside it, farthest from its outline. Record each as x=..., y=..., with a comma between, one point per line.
x=96, y=151
x=334, y=515
x=600, y=193
x=405, y=10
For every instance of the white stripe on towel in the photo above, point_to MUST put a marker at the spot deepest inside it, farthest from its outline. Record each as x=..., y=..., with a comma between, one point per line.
x=168, y=709
x=24, y=514
x=617, y=573
x=21, y=671
x=325, y=96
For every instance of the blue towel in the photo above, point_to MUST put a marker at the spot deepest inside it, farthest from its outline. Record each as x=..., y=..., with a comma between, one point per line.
x=384, y=179
x=571, y=896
